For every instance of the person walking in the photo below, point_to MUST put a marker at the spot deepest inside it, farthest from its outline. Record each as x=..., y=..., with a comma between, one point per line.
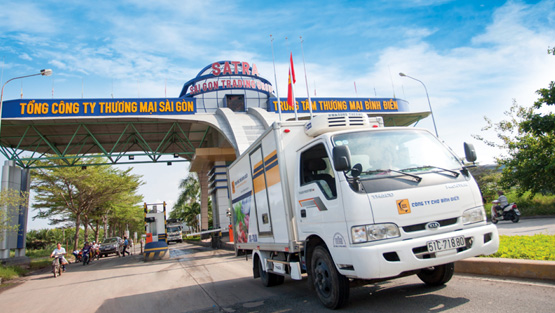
x=125, y=245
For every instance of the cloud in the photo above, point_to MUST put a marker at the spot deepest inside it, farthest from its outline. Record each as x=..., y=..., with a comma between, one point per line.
x=25, y=56
x=25, y=17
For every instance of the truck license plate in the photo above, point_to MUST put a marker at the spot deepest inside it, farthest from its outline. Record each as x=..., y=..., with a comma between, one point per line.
x=446, y=244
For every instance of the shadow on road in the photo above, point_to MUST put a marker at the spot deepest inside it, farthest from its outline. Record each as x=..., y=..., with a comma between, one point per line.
x=292, y=296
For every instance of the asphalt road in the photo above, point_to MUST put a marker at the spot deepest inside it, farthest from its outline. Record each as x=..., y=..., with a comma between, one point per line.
x=527, y=226
x=198, y=279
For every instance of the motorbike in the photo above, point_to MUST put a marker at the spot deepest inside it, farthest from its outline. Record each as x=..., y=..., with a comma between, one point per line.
x=85, y=256
x=508, y=213
x=57, y=266
x=95, y=254
x=78, y=256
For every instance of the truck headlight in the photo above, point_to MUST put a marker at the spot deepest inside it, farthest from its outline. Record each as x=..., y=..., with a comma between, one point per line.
x=366, y=233
x=475, y=215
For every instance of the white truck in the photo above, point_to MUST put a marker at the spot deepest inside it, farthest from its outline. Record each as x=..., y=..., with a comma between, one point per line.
x=174, y=229
x=344, y=199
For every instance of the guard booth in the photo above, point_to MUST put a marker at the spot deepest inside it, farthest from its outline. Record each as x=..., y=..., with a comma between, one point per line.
x=156, y=247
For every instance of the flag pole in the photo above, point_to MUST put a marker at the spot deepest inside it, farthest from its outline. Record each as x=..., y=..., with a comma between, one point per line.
x=292, y=75
x=292, y=81
x=275, y=79
x=306, y=80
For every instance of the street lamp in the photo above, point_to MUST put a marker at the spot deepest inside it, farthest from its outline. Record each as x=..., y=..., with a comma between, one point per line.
x=46, y=72
x=429, y=104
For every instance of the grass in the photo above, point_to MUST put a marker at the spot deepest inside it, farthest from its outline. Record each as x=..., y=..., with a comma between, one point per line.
x=40, y=263
x=11, y=272
x=39, y=259
x=536, y=247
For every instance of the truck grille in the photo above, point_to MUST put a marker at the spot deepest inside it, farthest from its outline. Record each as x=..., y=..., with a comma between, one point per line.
x=422, y=226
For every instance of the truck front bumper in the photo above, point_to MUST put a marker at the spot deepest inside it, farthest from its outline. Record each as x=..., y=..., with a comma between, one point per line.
x=391, y=259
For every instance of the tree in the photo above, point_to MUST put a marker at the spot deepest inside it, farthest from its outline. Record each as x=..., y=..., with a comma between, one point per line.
x=528, y=137
x=187, y=206
x=10, y=201
x=488, y=180
x=188, y=213
x=70, y=195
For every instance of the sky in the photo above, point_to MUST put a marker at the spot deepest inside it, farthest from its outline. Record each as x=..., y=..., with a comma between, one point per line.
x=474, y=57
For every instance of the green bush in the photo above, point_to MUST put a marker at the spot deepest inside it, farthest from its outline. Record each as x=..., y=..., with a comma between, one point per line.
x=537, y=247
x=38, y=253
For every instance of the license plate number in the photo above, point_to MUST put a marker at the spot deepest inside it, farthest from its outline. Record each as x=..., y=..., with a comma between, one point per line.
x=446, y=244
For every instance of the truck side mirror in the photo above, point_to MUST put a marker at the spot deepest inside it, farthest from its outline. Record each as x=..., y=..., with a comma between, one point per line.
x=341, y=158
x=469, y=152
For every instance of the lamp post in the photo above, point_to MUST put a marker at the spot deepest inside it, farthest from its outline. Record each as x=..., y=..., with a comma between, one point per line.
x=46, y=72
x=429, y=104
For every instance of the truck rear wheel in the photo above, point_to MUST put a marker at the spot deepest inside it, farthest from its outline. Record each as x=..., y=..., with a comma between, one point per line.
x=437, y=275
x=269, y=279
x=331, y=287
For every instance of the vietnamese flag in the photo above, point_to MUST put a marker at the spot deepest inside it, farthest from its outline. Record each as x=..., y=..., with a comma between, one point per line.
x=292, y=80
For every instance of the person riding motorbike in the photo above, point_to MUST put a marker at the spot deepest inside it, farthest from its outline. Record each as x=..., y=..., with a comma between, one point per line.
x=60, y=252
x=86, y=253
x=497, y=210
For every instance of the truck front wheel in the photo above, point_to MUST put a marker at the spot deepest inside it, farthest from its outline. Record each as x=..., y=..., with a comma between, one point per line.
x=437, y=275
x=331, y=287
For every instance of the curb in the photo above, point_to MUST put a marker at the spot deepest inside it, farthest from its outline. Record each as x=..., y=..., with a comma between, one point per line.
x=544, y=270
x=516, y=268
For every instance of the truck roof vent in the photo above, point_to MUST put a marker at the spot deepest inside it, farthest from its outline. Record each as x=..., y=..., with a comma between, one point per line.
x=340, y=121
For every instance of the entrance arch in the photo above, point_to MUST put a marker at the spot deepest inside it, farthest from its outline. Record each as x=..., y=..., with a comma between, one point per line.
x=218, y=114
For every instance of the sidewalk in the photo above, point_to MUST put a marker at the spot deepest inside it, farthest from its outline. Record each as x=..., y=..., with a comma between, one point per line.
x=516, y=268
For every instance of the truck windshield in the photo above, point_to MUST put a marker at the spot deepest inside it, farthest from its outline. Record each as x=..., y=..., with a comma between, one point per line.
x=173, y=229
x=389, y=152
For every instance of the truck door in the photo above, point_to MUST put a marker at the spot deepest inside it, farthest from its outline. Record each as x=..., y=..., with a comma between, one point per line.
x=260, y=191
x=318, y=205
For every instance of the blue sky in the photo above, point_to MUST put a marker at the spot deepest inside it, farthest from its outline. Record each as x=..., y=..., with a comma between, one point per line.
x=475, y=57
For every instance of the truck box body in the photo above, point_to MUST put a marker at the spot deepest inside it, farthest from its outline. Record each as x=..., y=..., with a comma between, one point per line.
x=407, y=204
x=259, y=187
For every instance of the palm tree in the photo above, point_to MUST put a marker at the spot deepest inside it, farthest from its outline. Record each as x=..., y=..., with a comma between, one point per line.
x=187, y=206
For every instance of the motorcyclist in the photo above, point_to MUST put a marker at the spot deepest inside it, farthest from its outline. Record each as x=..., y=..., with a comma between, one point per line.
x=502, y=203
x=94, y=249
x=60, y=252
x=86, y=253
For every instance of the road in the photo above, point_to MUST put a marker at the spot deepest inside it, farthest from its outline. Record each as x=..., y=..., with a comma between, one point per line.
x=527, y=226
x=198, y=279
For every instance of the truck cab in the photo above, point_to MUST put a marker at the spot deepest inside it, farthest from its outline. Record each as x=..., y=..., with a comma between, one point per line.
x=174, y=229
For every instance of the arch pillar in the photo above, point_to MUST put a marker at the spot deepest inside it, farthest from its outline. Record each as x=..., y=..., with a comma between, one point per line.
x=17, y=179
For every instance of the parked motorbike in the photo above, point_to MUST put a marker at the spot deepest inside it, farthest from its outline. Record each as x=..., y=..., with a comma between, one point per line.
x=508, y=213
x=57, y=266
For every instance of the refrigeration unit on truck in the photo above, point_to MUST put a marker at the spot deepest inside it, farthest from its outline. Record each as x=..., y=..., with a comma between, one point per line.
x=342, y=198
